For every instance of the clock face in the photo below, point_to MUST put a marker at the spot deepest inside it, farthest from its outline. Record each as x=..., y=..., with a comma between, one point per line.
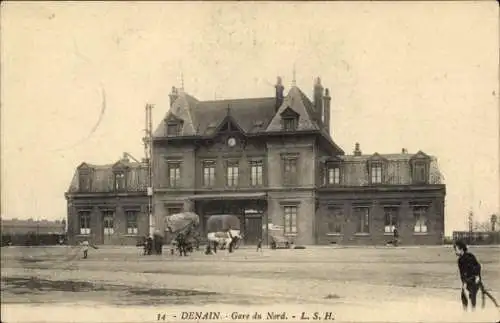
x=231, y=142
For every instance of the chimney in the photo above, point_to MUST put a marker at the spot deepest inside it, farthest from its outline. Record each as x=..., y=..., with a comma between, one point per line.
x=318, y=99
x=326, y=110
x=404, y=151
x=173, y=95
x=357, y=151
x=125, y=158
x=279, y=93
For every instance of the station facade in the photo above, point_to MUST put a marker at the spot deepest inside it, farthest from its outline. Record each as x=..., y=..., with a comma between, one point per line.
x=271, y=161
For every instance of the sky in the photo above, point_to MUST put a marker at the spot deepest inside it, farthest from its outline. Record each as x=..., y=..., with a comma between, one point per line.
x=418, y=75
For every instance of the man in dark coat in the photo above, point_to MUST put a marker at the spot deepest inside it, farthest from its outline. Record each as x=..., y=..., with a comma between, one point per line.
x=396, y=236
x=150, y=245
x=470, y=274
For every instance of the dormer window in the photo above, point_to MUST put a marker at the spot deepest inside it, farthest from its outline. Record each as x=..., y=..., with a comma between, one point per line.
x=84, y=180
x=376, y=173
x=419, y=172
x=173, y=128
x=290, y=119
x=332, y=173
x=376, y=168
x=289, y=124
x=120, y=184
x=420, y=168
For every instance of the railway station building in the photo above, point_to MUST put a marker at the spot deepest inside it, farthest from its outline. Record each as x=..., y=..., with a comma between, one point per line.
x=273, y=162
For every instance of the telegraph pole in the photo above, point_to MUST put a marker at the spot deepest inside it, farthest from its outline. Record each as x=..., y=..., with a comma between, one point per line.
x=148, y=152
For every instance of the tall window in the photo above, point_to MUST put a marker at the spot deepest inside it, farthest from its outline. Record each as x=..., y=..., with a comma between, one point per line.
x=132, y=222
x=289, y=124
x=84, y=222
x=332, y=174
x=256, y=167
x=108, y=222
x=289, y=170
x=376, y=174
x=420, y=216
x=335, y=220
x=419, y=172
x=174, y=174
x=290, y=213
x=120, y=181
x=208, y=173
x=84, y=181
x=362, y=216
x=173, y=129
x=232, y=173
x=391, y=219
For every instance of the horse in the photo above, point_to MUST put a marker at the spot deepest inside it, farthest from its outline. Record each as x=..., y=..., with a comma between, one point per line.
x=224, y=230
x=226, y=240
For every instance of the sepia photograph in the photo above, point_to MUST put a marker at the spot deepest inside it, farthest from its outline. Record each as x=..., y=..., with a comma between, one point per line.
x=274, y=161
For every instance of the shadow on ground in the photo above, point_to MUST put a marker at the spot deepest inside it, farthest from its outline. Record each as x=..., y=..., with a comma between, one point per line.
x=119, y=294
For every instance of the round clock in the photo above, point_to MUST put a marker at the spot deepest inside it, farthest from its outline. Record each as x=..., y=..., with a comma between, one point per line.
x=231, y=142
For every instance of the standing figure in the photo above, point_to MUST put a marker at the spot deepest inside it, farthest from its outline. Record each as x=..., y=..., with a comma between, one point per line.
x=395, y=232
x=181, y=244
x=259, y=245
x=149, y=242
x=145, y=245
x=470, y=275
x=85, y=247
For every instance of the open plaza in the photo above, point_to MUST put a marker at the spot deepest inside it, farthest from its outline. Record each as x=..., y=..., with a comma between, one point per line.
x=403, y=284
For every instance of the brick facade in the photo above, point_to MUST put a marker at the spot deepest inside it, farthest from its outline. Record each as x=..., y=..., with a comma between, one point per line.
x=306, y=184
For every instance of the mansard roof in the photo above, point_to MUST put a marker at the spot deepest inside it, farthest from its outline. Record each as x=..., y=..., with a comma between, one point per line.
x=398, y=167
x=251, y=115
x=102, y=176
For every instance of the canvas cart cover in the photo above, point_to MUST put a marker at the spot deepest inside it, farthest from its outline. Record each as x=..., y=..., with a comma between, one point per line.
x=222, y=223
x=178, y=222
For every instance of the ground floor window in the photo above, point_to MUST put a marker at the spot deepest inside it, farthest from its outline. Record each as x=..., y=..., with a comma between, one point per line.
x=335, y=219
x=391, y=219
x=132, y=222
x=420, y=216
x=362, y=216
x=290, y=213
x=84, y=222
x=109, y=223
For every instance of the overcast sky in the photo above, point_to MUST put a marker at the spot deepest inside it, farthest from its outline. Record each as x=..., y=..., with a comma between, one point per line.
x=419, y=75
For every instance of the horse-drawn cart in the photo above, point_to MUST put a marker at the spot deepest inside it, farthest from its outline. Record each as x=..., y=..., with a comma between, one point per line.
x=277, y=238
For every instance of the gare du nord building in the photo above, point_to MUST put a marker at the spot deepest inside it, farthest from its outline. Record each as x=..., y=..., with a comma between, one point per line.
x=271, y=161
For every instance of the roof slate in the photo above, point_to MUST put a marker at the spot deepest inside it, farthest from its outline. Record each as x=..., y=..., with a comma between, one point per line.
x=102, y=177
x=298, y=102
x=252, y=114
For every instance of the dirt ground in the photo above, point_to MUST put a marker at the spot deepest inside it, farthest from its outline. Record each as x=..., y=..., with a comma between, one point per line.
x=404, y=284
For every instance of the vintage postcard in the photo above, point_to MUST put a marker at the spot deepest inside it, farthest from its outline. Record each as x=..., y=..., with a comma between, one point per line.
x=250, y=161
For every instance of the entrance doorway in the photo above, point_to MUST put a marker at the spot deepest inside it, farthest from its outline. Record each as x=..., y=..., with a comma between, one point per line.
x=109, y=226
x=252, y=230
x=250, y=213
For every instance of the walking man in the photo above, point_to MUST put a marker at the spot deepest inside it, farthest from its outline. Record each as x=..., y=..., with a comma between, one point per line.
x=259, y=245
x=396, y=236
x=470, y=275
x=85, y=247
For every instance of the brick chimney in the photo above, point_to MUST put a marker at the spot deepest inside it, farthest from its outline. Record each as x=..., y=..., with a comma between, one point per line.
x=173, y=95
x=318, y=99
x=125, y=158
x=357, y=151
x=326, y=110
x=279, y=93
